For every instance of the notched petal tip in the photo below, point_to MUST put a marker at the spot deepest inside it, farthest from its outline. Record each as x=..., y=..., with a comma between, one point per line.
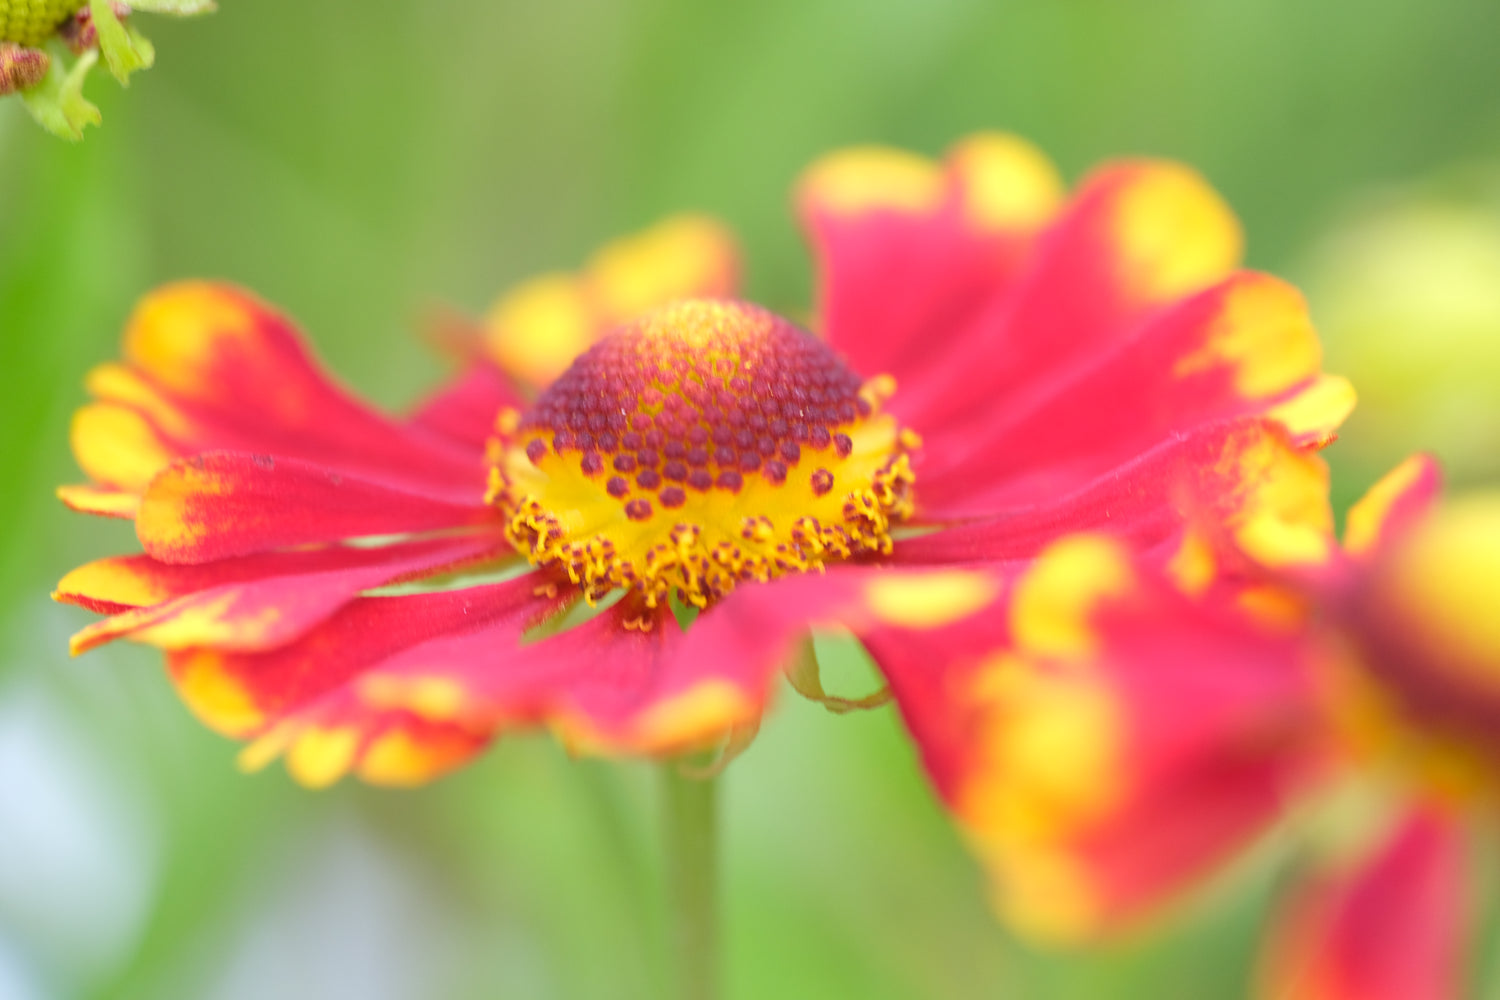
x=118, y=446
x=399, y=758
x=1006, y=183
x=319, y=757
x=1172, y=233
x=222, y=701
x=869, y=179
x=177, y=331
x=1406, y=492
x=102, y=501
x=536, y=329
x=997, y=182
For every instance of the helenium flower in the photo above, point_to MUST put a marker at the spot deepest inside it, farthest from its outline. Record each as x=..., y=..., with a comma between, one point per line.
x=995, y=365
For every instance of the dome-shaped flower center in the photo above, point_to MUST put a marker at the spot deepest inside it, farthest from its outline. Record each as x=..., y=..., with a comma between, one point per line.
x=708, y=443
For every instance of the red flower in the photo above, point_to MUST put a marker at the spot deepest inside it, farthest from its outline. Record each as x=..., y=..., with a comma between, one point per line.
x=1409, y=672
x=1115, y=732
x=997, y=368
x=1105, y=739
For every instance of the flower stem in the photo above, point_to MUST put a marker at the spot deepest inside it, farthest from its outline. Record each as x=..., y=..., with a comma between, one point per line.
x=692, y=881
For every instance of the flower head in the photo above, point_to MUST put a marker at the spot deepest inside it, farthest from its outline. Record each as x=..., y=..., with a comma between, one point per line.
x=38, y=36
x=994, y=367
x=706, y=444
x=1115, y=732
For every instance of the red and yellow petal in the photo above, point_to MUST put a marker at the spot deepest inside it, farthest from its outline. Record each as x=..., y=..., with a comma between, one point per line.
x=251, y=602
x=401, y=680
x=1392, y=928
x=627, y=682
x=393, y=749
x=1262, y=496
x=592, y=684
x=103, y=501
x=210, y=367
x=1105, y=742
x=118, y=446
x=1402, y=495
x=1135, y=237
x=536, y=329
x=909, y=249
x=1417, y=611
x=274, y=693
x=224, y=504
x=466, y=409
x=1245, y=347
x=631, y=682
x=719, y=674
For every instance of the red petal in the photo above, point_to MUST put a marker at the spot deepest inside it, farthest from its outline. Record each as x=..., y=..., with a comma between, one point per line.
x=1392, y=505
x=104, y=501
x=1243, y=475
x=1135, y=237
x=252, y=602
x=908, y=249
x=1242, y=348
x=1391, y=930
x=223, y=504
x=623, y=683
x=1418, y=603
x=249, y=693
x=697, y=685
x=466, y=408
x=210, y=367
x=1098, y=767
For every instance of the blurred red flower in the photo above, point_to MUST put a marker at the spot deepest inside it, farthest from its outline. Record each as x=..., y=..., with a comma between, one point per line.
x=1116, y=733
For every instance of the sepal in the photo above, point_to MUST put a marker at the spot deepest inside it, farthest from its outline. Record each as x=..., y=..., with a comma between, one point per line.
x=57, y=102
x=125, y=50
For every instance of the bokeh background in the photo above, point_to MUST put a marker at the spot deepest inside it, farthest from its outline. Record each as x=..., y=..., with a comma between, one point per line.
x=357, y=162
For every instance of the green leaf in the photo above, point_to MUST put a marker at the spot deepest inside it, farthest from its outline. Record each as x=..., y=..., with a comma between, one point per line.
x=179, y=8
x=141, y=44
x=125, y=51
x=57, y=102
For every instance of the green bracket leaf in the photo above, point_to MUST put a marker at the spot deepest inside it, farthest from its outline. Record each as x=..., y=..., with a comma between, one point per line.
x=125, y=49
x=807, y=680
x=57, y=102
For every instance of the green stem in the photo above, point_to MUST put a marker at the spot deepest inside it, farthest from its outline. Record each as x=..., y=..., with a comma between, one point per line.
x=692, y=881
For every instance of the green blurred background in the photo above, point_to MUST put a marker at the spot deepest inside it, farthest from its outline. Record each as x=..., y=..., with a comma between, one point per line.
x=357, y=162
